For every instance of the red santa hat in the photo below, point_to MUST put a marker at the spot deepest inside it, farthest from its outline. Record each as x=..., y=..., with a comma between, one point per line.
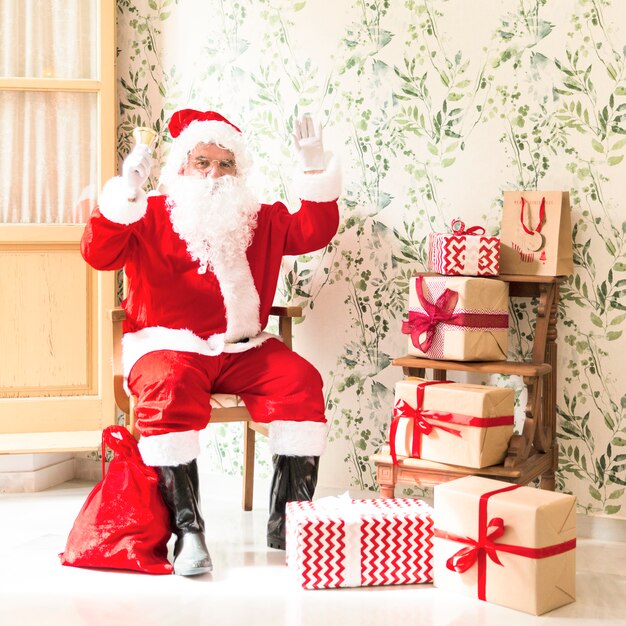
x=188, y=128
x=181, y=120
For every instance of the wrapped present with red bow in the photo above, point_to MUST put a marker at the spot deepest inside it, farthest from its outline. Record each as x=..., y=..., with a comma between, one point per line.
x=340, y=542
x=458, y=318
x=446, y=422
x=464, y=251
x=505, y=544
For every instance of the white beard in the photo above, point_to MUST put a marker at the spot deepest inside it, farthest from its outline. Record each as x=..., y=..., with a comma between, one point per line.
x=215, y=217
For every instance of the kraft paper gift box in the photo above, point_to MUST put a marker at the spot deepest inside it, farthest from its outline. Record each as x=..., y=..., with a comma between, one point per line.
x=505, y=544
x=467, y=425
x=464, y=251
x=339, y=542
x=458, y=318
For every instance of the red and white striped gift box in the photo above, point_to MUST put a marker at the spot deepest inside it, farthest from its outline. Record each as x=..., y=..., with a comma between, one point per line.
x=466, y=252
x=339, y=542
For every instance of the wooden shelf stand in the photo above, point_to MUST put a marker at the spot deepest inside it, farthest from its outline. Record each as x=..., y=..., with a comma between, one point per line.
x=531, y=454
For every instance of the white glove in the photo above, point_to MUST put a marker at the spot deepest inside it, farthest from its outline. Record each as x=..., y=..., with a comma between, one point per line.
x=136, y=167
x=309, y=145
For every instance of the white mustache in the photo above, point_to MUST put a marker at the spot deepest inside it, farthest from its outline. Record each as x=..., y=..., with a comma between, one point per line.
x=206, y=187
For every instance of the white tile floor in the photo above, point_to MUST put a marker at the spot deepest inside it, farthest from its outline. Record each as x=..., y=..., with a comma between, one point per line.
x=250, y=584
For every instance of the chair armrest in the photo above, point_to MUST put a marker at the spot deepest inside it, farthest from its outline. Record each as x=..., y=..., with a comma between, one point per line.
x=286, y=311
x=285, y=326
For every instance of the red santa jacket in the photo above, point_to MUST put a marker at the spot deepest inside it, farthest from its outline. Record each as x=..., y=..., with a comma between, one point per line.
x=171, y=306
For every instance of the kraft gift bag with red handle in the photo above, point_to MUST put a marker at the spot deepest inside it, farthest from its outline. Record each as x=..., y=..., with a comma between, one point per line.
x=536, y=233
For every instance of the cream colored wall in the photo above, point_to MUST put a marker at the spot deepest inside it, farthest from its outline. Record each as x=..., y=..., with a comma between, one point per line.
x=435, y=108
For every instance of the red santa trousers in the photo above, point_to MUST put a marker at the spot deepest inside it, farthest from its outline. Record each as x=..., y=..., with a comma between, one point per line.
x=278, y=387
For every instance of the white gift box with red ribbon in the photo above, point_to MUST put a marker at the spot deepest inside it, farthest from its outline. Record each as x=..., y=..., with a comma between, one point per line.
x=340, y=542
x=465, y=251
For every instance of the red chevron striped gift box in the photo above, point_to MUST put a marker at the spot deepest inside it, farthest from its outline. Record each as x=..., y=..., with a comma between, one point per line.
x=465, y=251
x=339, y=542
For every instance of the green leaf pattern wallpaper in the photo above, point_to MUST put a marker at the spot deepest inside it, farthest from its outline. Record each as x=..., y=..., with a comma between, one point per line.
x=435, y=107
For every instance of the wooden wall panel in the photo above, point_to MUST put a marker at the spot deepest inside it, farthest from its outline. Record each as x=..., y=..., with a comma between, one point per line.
x=52, y=353
x=55, y=340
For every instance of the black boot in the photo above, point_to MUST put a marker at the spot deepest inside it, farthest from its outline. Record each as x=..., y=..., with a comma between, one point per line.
x=294, y=479
x=179, y=488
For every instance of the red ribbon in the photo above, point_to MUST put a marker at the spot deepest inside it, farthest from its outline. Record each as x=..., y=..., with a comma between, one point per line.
x=465, y=558
x=542, y=215
x=421, y=427
x=478, y=550
x=442, y=311
x=458, y=228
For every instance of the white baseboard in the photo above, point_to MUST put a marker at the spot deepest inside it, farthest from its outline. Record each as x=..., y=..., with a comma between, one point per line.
x=31, y=462
x=597, y=527
x=37, y=479
x=601, y=528
x=88, y=469
x=229, y=488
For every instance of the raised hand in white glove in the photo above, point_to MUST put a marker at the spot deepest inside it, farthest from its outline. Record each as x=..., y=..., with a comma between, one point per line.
x=136, y=168
x=309, y=145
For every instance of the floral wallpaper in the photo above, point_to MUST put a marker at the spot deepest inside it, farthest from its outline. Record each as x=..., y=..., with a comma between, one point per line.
x=435, y=107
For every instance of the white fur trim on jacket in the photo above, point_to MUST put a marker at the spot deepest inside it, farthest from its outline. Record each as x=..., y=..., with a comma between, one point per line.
x=292, y=438
x=170, y=449
x=115, y=205
x=241, y=299
x=322, y=187
x=137, y=344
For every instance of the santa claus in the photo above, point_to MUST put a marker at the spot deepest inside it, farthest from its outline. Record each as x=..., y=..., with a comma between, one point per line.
x=202, y=263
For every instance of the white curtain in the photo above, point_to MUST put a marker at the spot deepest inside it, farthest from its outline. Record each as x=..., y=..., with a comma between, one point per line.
x=48, y=142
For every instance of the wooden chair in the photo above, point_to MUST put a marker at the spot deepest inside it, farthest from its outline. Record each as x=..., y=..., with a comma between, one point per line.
x=225, y=408
x=534, y=452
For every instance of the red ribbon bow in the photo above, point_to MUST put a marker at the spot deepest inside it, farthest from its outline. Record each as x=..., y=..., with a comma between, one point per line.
x=465, y=558
x=458, y=228
x=442, y=310
x=420, y=425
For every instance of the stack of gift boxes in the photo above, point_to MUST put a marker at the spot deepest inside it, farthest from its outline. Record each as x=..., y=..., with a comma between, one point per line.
x=507, y=544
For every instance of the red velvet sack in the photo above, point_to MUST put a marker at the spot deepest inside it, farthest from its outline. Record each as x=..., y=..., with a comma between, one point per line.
x=124, y=523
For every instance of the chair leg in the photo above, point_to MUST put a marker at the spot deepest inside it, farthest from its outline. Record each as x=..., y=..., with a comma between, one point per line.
x=248, y=466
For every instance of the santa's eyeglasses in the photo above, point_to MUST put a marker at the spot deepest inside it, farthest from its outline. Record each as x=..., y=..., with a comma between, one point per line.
x=226, y=166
